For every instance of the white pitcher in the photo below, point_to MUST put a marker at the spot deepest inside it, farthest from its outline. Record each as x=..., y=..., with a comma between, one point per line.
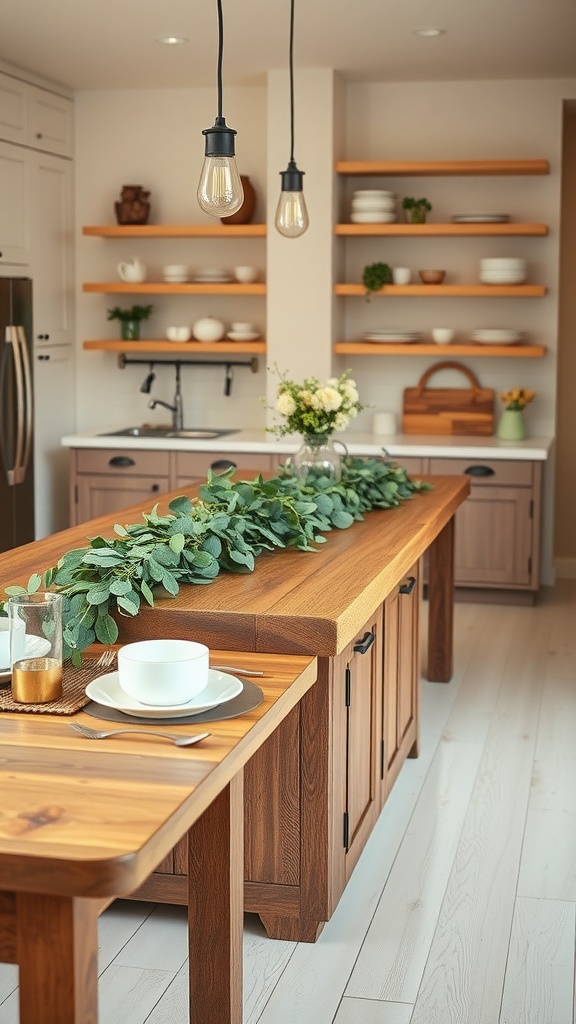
x=133, y=271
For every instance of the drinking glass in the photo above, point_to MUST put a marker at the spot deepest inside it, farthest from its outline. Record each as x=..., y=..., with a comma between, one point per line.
x=36, y=659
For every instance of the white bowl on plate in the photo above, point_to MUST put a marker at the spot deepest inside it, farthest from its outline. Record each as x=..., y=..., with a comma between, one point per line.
x=372, y=218
x=163, y=672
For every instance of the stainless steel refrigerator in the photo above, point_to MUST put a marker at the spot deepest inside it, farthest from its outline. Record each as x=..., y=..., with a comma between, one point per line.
x=16, y=413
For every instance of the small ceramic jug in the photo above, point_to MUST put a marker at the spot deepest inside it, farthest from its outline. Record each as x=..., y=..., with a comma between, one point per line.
x=134, y=271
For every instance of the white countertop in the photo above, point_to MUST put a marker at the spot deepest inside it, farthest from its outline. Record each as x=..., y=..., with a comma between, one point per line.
x=398, y=445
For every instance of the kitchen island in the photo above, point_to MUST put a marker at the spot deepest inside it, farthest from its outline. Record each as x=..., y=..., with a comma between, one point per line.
x=315, y=789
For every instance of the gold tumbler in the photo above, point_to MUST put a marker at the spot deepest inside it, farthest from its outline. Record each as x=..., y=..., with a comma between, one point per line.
x=36, y=680
x=36, y=647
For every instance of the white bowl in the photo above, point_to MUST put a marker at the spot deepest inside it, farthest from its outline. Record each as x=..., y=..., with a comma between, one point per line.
x=503, y=277
x=178, y=333
x=246, y=275
x=443, y=335
x=372, y=218
x=374, y=193
x=240, y=325
x=163, y=672
x=5, y=662
x=373, y=205
x=502, y=263
x=243, y=335
x=175, y=270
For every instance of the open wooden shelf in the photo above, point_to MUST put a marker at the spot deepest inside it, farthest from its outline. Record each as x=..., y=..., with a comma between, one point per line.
x=163, y=288
x=161, y=345
x=437, y=230
x=176, y=230
x=521, y=291
x=431, y=168
x=365, y=348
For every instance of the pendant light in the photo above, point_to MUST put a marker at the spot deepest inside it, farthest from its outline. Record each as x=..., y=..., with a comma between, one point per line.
x=220, y=191
x=291, y=214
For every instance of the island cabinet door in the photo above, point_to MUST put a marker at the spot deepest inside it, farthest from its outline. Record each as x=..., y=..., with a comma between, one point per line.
x=357, y=689
x=400, y=680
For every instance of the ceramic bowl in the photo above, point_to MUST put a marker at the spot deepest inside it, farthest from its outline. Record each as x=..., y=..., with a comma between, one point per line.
x=246, y=275
x=163, y=672
x=443, y=335
x=242, y=327
x=178, y=333
x=432, y=276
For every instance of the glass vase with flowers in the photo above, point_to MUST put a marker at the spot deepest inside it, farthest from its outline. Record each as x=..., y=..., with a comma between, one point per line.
x=511, y=426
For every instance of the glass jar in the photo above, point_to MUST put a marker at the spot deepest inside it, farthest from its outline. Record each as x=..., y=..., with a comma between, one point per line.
x=317, y=458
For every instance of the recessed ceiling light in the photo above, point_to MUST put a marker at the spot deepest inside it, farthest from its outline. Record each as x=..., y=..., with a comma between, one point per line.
x=428, y=33
x=172, y=40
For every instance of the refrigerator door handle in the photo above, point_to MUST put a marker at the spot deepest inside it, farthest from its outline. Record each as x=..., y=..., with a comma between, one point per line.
x=28, y=402
x=13, y=460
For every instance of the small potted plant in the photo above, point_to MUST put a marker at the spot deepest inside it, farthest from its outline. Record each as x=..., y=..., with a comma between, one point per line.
x=416, y=209
x=130, y=320
x=374, y=276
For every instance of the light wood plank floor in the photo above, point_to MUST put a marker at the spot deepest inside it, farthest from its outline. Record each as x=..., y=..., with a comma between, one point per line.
x=462, y=909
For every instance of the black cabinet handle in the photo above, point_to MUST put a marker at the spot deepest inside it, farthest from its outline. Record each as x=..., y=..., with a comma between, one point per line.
x=155, y=488
x=479, y=471
x=220, y=465
x=408, y=587
x=365, y=643
x=121, y=461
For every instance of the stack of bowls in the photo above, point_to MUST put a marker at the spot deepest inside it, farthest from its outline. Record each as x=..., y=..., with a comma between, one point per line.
x=503, y=270
x=373, y=206
x=175, y=273
x=243, y=331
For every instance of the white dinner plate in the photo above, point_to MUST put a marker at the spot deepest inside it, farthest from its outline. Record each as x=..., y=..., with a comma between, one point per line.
x=35, y=647
x=391, y=339
x=221, y=687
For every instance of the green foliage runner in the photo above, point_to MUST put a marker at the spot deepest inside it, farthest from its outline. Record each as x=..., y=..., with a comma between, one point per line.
x=225, y=529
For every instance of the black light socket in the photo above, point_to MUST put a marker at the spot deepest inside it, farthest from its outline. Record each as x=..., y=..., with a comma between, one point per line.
x=219, y=139
x=292, y=178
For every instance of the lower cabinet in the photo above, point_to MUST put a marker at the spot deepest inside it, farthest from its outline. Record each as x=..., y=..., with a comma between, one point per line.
x=105, y=480
x=314, y=791
x=498, y=526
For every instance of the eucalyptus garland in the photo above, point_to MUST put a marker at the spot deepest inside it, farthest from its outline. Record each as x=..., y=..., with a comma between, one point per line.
x=224, y=530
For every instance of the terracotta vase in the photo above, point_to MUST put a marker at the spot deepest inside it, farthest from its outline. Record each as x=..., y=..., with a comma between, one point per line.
x=246, y=212
x=134, y=205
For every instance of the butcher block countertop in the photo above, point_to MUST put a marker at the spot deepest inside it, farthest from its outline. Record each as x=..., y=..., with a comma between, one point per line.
x=294, y=602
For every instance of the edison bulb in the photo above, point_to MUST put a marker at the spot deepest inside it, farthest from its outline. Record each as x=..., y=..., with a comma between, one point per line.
x=220, y=191
x=291, y=214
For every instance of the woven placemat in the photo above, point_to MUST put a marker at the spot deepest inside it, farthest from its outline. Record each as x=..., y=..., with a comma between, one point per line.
x=74, y=683
x=249, y=699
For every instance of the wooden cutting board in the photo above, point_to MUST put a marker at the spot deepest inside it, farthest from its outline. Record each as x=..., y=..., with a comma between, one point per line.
x=456, y=411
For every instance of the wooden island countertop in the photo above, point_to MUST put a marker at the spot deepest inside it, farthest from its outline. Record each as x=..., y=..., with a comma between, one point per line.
x=315, y=789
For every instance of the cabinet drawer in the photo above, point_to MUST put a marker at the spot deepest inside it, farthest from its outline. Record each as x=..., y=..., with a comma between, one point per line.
x=411, y=464
x=197, y=464
x=123, y=461
x=487, y=472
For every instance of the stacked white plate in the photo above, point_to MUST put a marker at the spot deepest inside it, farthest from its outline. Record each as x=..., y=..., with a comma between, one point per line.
x=209, y=276
x=496, y=336
x=503, y=270
x=392, y=336
x=373, y=206
x=480, y=218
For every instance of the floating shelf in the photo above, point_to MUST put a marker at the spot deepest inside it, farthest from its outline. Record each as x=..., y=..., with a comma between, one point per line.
x=521, y=291
x=432, y=168
x=364, y=348
x=176, y=231
x=161, y=345
x=437, y=230
x=162, y=288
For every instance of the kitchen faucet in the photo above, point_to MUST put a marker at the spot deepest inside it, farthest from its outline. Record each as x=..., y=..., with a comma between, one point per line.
x=176, y=409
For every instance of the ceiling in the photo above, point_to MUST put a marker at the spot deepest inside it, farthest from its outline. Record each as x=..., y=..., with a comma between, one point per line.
x=110, y=44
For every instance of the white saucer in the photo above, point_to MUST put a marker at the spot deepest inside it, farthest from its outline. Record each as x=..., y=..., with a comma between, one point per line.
x=221, y=687
x=243, y=335
x=35, y=647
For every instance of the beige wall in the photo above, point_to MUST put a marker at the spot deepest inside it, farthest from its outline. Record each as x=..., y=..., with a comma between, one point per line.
x=565, y=494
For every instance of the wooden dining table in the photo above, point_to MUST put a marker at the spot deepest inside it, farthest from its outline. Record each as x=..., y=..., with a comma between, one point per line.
x=83, y=822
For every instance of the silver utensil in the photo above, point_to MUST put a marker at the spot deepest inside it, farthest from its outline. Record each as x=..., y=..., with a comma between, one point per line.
x=95, y=734
x=236, y=671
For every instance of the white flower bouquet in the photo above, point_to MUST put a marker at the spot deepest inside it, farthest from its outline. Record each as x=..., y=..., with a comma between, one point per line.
x=315, y=407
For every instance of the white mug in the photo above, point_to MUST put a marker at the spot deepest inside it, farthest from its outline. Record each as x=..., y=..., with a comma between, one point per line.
x=401, y=275
x=134, y=271
x=384, y=423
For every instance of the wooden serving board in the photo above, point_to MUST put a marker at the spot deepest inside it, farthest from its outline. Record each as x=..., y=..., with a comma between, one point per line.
x=455, y=411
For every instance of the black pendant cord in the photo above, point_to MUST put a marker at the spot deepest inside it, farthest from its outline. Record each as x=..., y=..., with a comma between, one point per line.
x=220, y=52
x=291, y=66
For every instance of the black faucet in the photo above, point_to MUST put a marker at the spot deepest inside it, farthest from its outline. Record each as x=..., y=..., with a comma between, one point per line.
x=176, y=409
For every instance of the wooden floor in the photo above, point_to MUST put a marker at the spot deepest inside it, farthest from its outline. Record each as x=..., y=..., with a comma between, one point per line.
x=462, y=908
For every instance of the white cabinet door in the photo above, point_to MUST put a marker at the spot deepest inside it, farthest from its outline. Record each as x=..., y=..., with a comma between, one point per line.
x=13, y=110
x=55, y=416
x=15, y=212
x=52, y=249
x=51, y=123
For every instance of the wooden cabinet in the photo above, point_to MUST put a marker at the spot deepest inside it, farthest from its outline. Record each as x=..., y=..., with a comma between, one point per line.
x=190, y=466
x=34, y=117
x=498, y=526
x=55, y=414
x=15, y=214
x=52, y=250
x=401, y=680
x=106, y=480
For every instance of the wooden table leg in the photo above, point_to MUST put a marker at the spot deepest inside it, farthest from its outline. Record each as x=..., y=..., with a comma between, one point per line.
x=57, y=956
x=215, y=909
x=441, y=606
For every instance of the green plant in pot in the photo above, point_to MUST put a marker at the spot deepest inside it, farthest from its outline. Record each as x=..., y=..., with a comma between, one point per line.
x=374, y=276
x=416, y=209
x=130, y=320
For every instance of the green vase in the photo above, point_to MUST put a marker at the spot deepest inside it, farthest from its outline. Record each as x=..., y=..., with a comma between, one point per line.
x=130, y=330
x=511, y=426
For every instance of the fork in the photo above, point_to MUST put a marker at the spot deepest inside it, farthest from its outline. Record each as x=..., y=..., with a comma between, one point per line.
x=95, y=734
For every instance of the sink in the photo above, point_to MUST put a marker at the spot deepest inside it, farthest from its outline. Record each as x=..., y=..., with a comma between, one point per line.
x=194, y=433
